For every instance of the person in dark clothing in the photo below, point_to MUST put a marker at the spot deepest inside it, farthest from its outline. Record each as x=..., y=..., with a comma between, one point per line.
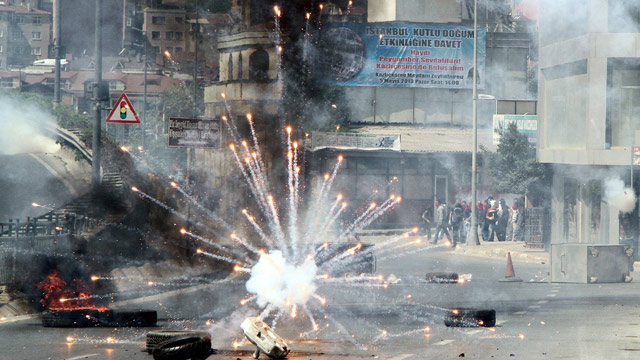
x=480, y=217
x=490, y=220
x=502, y=220
x=457, y=222
x=485, y=223
x=442, y=221
x=427, y=217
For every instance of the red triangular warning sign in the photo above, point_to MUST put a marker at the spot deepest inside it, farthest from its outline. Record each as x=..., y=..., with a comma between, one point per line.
x=123, y=112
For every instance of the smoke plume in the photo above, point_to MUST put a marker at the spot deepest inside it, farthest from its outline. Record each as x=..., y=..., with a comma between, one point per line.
x=22, y=125
x=618, y=196
x=276, y=282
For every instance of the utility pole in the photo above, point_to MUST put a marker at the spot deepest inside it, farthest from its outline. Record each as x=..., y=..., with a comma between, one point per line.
x=144, y=106
x=57, y=51
x=98, y=96
x=195, y=64
x=474, y=155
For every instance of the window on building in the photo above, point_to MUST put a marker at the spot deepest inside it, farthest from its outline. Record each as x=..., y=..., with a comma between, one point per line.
x=623, y=101
x=129, y=21
x=178, y=36
x=230, y=67
x=155, y=35
x=240, y=66
x=36, y=51
x=178, y=49
x=158, y=20
x=36, y=35
x=6, y=83
x=170, y=49
x=37, y=20
x=259, y=65
x=169, y=35
x=1, y=49
x=19, y=19
x=178, y=19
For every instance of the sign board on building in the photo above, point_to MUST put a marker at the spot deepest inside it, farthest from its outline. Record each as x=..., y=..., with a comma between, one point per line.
x=636, y=155
x=526, y=124
x=354, y=141
x=123, y=112
x=397, y=54
x=191, y=132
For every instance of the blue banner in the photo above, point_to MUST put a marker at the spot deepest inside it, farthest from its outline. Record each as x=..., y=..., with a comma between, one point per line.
x=400, y=55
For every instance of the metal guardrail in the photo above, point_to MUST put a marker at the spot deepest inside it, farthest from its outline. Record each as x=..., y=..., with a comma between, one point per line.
x=50, y=224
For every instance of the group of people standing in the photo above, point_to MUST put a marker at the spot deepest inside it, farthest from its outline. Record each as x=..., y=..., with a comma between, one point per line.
x=495, y=220
x=499, y=221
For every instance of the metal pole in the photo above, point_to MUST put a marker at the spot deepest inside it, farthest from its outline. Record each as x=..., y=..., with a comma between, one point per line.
x=97, y=121
x=195, y=64
x=474, y=155
x=144, y=106
x=56, y=47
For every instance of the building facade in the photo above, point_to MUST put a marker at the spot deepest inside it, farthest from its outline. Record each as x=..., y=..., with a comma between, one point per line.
x=433, y=125
x=589, y=91
x=25, y=34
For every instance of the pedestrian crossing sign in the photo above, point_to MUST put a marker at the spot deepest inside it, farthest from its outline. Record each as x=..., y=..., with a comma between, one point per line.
x=123, y=112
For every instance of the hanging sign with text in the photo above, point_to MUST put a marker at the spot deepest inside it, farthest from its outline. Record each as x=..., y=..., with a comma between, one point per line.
x=354, y=141
x=400, y=55
x=190, y=132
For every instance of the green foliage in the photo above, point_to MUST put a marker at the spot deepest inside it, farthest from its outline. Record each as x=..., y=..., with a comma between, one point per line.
x=515, y=168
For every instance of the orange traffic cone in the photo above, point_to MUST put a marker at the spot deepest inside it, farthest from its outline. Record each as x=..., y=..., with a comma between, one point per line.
x=510, y=275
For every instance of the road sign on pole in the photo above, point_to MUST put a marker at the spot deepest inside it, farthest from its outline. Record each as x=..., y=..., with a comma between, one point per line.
x=123, y=112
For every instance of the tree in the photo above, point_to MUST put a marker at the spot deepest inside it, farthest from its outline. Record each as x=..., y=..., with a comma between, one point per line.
x=515, y=168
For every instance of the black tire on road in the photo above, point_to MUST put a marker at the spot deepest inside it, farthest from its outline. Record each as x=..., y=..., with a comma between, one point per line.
x=130, y=318
x=470, y=318
x=156, y=337
x=71, y=318
x=184, y=347
x=442, y=277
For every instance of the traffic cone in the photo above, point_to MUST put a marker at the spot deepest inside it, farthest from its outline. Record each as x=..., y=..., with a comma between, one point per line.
x=510, y=275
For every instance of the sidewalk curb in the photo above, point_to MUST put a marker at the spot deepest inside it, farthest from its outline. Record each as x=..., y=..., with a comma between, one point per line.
x=541, y=258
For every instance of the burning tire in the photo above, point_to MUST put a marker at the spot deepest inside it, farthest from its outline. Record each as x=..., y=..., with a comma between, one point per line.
x=156, y=337
x=71, y=318
x=442, y=278
x=130, y=318
x=470, y=318
x=195, y=347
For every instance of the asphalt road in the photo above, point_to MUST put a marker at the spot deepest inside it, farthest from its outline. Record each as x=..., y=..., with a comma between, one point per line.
x=536, y=319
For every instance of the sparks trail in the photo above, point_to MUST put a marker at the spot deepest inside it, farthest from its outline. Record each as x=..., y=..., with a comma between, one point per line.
x=213, y=244
x=358, y=255
x=145, y=162
x=223, y=258
x=173, y=211
x=312, y=216
x=372, y=213
x=267, y=240
x=246, y=244
x=211, y=214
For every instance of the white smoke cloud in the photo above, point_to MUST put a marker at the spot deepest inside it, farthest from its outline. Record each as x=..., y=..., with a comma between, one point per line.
x=276, y=282
x=618, y=196
x=22, y=129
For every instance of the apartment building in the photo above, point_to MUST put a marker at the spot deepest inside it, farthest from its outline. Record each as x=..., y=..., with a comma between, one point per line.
x=25, y=34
